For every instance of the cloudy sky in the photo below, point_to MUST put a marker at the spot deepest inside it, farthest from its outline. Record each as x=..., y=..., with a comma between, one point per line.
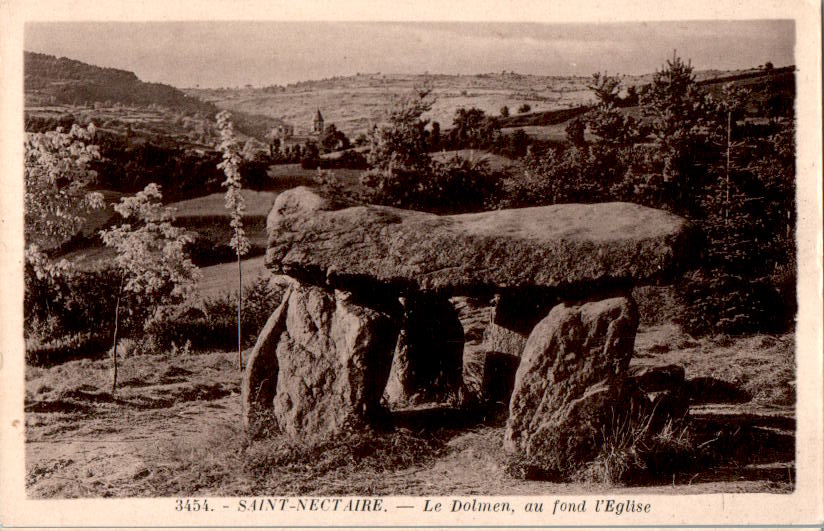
x=216, y=54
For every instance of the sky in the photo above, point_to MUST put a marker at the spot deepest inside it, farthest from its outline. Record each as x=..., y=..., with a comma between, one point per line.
x=230, y=54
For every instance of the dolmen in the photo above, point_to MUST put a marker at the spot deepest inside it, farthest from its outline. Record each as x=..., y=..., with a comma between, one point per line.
x=367, y=319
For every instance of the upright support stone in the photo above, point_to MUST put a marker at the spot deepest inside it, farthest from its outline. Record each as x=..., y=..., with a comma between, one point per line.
x=514, y=317
x=319, y=366
x=569, y=385
x=428, y=359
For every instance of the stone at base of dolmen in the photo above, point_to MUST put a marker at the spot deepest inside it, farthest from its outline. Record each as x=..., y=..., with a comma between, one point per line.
x=428, y=359
x=319, y=366
x=515, y=315
x=570, y=384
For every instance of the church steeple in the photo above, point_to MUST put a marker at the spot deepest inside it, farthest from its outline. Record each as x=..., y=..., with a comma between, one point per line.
x=317, y=126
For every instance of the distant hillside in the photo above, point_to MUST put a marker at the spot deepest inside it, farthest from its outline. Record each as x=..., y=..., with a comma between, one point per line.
x=73, y=82
x=355, y=103
x=50, y=80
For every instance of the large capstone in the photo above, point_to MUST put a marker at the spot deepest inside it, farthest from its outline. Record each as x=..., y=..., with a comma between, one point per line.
x=319, y=366
x=569, y=385
x=566, y=248
x=428, y=358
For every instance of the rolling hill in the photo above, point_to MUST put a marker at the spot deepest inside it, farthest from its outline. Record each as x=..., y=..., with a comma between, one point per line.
x=55, y=84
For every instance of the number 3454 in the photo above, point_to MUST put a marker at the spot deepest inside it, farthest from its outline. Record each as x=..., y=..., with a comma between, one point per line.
x=191, y=505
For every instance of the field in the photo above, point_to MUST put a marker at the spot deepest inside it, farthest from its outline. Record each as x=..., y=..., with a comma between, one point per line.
x=354, y=103
x=149, y=440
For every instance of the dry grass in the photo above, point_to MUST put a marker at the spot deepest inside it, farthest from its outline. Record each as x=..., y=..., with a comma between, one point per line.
x=761, y=365
x=633, y=452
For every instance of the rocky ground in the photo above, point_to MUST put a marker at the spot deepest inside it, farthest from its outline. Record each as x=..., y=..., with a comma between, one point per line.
x=173, y=428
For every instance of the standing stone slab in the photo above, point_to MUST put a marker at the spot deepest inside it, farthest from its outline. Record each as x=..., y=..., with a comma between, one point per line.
x=428, y=360
x=515, y=315
x=569, y=384
x=319, y=366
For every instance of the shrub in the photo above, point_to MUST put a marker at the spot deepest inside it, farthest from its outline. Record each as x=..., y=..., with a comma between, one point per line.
x=214, y=325
x=65, y=348
x=76, y=302
x=456, y=186
x=716, y=301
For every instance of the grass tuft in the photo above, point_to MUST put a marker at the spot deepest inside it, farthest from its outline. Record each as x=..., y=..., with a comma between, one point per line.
x=633, y=452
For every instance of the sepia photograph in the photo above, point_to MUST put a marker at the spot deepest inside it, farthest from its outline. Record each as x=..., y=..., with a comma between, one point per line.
x=349, y=261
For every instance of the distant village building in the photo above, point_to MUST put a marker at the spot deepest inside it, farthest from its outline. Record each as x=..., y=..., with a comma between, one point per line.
x=286, y=132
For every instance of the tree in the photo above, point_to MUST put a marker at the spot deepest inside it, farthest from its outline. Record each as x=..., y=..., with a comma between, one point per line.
x=611, y=126
x=504, y=112
x=402, y=142
x=470, y=128
x=151, y=261
x=253, y=150
x=398, y=158
x=236, y=205
x=57, y=175
x=333, y=139
x=403, y=174
x=435, y=136
x=525, y=108
x=606, y=88
x=575, y=132
x=727, y=110
x=676, y=108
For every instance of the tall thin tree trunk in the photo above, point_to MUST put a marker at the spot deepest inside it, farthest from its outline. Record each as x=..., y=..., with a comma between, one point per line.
x=729, y=138
x=239, y=305
x=114, y=339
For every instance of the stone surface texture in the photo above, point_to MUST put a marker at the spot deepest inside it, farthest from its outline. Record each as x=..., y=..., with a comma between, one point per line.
x=559, y=247
x=569, y=385
x=319, y=366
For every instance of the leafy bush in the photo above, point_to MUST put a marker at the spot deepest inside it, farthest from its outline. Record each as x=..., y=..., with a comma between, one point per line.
x=586, y=174
x=454, y=187
x=214, y=325
x=75, y=303
x=65, y=348
x=717, y=301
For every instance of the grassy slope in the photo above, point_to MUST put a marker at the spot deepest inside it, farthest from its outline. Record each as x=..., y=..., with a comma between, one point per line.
x=222, y=278
x=354, y=103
